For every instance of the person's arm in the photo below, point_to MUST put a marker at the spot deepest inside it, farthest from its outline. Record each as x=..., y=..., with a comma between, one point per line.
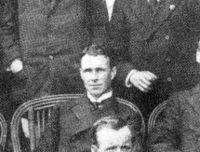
x=9, y=32
x=128, y=47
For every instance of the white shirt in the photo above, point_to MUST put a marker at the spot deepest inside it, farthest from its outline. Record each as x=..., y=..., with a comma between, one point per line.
x=101, y=98
x=110, y=5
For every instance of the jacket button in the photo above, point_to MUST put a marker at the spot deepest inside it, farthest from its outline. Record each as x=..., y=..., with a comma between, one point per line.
x=167, y=37
x=172, y=7
x=51, y=57
x=169, y=79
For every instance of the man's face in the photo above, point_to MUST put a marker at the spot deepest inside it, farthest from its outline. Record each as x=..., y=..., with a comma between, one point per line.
x=110, y=140
x=96, y=74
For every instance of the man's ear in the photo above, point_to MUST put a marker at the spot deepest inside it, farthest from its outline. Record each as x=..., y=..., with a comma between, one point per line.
x=113, y=72
x=94, y=148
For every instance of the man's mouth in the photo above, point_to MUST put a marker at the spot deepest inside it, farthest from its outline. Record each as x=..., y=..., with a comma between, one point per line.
x=95, y=85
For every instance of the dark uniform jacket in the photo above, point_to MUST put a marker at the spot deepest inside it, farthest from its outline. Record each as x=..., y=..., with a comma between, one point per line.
x=9, y=42
x=179, y=130
x=161, y=38
x=9, y=51
x=68, y=130
x=52, y=35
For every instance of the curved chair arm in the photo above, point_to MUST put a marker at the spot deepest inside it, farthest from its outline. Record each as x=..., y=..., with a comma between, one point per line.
x=155, y=114
x=38, y=104
x=136, y=109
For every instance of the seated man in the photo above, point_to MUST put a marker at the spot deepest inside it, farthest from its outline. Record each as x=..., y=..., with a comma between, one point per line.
x=68, y=128
x=113, y=134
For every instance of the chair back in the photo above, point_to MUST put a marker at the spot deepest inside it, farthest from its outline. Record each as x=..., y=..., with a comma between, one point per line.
x=135, y=109
x=156, y=115
x=3, y=131
x=39, y=111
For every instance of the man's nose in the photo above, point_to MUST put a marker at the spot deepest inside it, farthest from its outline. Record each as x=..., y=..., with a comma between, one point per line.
x=94, y=75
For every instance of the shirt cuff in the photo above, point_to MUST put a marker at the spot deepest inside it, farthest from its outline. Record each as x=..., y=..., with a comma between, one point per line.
x=127, y=81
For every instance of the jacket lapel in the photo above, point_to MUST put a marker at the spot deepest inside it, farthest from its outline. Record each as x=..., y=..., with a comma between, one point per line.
x=163, y=12
x=83, y=113
x=87, y=115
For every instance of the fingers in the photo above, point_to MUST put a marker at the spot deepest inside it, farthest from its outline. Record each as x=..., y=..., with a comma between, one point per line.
x=143, y=80
x=149, y=75
x=141, y=85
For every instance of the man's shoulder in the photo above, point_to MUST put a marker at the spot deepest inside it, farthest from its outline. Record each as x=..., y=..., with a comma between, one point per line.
x=195, y=91
x=186, y=97
x=71, y=102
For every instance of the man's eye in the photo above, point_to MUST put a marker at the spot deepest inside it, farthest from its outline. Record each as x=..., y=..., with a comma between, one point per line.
x=111, y=149
x=87, y=70
x=125, y=148
x=100, y=70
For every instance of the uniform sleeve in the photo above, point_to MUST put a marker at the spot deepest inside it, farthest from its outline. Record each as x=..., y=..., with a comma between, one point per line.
x=9, y=32
x=50, y=138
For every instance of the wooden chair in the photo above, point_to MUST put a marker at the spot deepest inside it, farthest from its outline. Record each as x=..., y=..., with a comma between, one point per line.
x=39, y=111
x=156, y=115
x=3, y=131
x=135, y=109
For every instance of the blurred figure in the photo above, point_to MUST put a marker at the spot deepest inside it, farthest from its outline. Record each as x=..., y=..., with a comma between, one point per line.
x=179, y=128
x=113, y=134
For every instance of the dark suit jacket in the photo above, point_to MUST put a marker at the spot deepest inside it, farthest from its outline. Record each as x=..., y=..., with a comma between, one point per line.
x=52, y=36
x=179, y=130
x=160, y=39
x=9, y=50
x=9, y=40
x=68, y=130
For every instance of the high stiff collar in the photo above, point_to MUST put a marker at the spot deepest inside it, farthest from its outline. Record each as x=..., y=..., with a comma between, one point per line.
x=103, y=97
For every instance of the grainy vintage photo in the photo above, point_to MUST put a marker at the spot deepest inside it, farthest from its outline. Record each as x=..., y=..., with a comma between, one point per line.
x=100, y=76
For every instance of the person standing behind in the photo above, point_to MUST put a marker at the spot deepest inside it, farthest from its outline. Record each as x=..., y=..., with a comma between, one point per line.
x=11, y=63
x=157, y=55
x=52, y=34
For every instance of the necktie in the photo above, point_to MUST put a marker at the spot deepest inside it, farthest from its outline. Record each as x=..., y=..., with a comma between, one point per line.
x=95, y=105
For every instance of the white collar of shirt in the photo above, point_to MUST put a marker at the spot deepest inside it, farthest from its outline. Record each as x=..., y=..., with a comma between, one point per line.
x=156, y=0
x=101, y=98
x=110, y=5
